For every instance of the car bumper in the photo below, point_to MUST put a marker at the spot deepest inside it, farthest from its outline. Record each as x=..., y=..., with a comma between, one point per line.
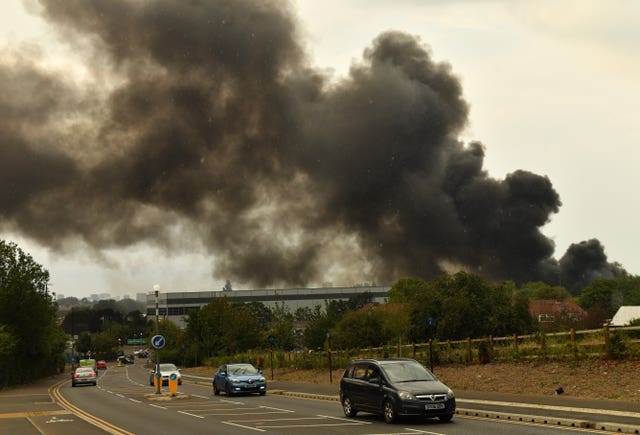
x=248, y=388
x=426, y=409
x=83, y=381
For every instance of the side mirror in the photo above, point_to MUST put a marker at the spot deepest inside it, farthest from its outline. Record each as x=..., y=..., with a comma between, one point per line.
x=374, y=380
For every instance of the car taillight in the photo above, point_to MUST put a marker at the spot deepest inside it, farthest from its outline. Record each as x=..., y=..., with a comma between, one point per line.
x=92, y=374
x=75, y=375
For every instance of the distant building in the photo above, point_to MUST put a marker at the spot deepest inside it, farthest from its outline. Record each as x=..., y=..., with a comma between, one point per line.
x=625, y=315
x=175, y=306
x=141, y=297
x=551, y=313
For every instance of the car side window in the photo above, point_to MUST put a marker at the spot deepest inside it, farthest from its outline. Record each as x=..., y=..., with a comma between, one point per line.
x=360, y=372
x=222, y=369
x=373, y=373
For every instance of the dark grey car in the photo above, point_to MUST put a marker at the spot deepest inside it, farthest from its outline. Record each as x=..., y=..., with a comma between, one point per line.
x=393, y=388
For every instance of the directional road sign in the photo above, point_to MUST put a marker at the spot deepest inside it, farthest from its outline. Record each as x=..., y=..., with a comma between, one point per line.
x=158, y=341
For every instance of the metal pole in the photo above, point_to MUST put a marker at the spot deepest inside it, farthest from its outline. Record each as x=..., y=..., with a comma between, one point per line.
x=330, y=364
x=157, y=372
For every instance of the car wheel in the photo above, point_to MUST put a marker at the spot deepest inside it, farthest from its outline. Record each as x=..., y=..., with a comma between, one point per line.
x=73, y=385
x=446, y=417
x=95, y=384
x=151, y=381
x=179, y=381
x=262, y=393
x=216, y=392
x=348, y=408
x=389, y=412
x=227, y=389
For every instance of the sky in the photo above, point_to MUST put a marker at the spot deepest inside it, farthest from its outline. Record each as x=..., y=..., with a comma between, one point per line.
x=551, y=88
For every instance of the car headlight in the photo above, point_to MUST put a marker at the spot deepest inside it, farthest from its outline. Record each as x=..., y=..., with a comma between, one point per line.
x=262, y=379
x=234, y=380
x=405, y=395
x=450, y=394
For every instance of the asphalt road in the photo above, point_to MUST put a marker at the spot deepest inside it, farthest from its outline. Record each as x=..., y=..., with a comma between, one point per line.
x=124, y=403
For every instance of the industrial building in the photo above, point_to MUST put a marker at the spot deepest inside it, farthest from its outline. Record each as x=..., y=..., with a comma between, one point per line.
x=175, y=306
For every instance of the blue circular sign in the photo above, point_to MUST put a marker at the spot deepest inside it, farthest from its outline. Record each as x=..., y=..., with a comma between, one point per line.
x=173, y=377
x=158, y=341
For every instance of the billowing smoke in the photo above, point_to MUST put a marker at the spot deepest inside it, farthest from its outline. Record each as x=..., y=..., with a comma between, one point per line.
x=205, y=125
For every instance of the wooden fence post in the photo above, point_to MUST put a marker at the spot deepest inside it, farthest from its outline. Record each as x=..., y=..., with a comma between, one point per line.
x=413, y=348
x=469, y=354
x=607, y=348
x=515, y=342
x=574, y=347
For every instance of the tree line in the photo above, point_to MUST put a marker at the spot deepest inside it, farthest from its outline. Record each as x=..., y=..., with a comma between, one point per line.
x=449, y=307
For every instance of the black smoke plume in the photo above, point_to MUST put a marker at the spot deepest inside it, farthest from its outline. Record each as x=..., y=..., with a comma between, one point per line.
x=205, y=125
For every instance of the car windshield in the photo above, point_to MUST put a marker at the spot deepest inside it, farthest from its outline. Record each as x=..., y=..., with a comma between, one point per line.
x=406, y=371
x=168, y=367
x=242, y=369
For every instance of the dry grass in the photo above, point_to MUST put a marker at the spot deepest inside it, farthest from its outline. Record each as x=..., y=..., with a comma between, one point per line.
x=597, y=379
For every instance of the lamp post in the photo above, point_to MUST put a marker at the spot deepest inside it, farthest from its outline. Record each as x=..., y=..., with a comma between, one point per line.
x=156, y=289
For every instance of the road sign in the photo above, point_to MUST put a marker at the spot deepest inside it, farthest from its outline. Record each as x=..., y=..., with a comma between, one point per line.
x=173, y=383
x=271, y=339
x=158, y=341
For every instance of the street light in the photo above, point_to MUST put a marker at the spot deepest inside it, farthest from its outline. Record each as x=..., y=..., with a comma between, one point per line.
x=156, y=289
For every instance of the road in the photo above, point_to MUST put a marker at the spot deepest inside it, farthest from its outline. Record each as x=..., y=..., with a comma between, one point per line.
x=124, y=403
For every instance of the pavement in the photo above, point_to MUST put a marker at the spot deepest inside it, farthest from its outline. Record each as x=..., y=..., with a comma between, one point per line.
x=25, y=409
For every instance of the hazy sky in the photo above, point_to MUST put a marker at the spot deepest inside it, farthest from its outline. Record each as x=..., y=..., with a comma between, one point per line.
x=552, y=88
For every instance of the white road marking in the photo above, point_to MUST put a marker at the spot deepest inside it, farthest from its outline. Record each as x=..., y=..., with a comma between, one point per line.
x=134, y=400
x=243, y=426
x=157, y=406
x=192, y=415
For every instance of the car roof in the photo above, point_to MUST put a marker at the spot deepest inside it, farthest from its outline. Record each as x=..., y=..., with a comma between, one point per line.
x=381, y=361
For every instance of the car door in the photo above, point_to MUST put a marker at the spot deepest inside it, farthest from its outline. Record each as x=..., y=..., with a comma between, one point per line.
x=372, y=390
x=220, y=377
x=358, y=387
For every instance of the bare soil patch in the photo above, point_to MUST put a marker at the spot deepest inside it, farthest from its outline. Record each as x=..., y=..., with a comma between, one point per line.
x=595, y=379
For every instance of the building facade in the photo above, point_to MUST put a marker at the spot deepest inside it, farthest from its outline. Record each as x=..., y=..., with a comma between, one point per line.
x=175, y=306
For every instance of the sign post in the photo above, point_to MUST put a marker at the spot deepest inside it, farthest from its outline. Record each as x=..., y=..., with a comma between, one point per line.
x=158, y=342
x=329, y=355
x=272, y=340
x=431, y=322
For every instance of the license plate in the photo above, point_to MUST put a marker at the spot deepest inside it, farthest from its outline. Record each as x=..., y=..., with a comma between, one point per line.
x=251, y=386
x=434, y=406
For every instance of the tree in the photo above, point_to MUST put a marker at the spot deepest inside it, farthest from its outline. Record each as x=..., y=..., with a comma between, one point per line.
x=540, y=290
x=28, y=318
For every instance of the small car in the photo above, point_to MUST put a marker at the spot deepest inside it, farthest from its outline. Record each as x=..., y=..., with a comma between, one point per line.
x=166, y=370
x=101, y=364
x=84, y=375
x=239, y=378
x=125, y=359
x=393, y=388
